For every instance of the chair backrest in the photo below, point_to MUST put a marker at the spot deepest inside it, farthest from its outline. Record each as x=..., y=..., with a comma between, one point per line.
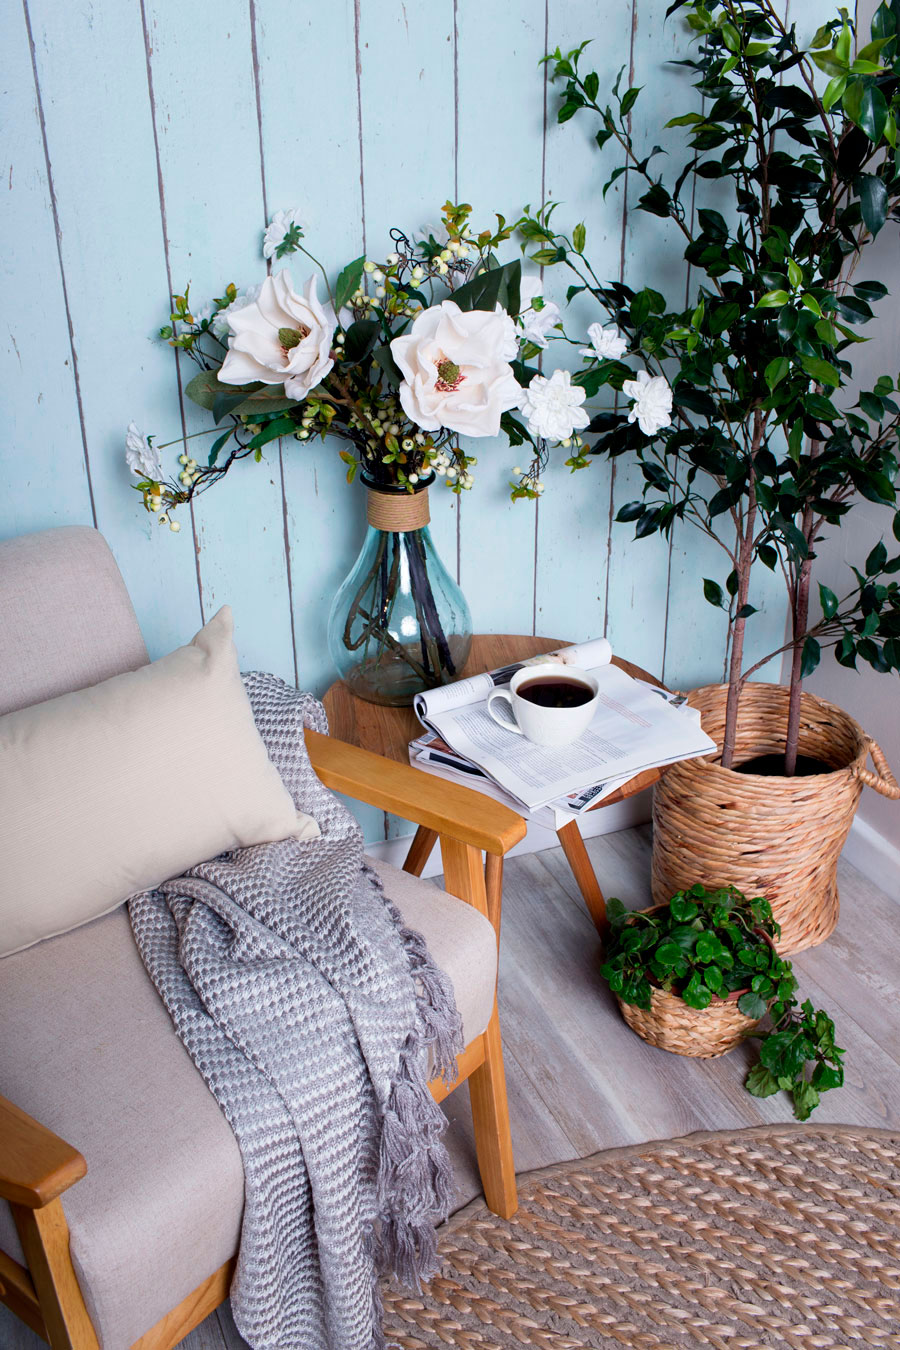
x=66, y=620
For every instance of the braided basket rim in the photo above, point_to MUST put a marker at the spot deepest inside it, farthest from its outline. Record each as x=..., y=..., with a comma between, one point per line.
x=710, y=763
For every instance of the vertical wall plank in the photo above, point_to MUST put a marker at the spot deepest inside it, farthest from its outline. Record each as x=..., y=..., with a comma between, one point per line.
x=317, y=170
x=573, y=530
x=499, y=168
x=92, y=74
x=213, y=194
x=46, y=472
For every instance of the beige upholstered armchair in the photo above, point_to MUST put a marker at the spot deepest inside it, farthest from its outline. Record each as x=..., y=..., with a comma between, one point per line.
x=121, y=1186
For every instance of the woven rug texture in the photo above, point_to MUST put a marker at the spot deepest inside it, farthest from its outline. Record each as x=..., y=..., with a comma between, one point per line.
x=784, y=1236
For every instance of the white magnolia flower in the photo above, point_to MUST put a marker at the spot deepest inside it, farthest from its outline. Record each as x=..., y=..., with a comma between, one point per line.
x=606, y=343
x=437, y=232
x=219, y=321
x=204, y=312
x=652, y=402
x=280, y=224
x=553, y=406
x=456, y=370
x=142, y=457
x=280, y=336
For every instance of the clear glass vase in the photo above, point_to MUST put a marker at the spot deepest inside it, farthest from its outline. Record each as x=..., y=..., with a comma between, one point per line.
x=399, y=623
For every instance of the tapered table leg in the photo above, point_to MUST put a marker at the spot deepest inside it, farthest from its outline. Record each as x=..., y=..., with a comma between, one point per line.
x=420, y=850
x=577, y=855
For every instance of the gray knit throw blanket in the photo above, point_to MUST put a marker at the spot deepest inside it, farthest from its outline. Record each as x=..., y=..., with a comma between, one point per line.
x=311, y=1010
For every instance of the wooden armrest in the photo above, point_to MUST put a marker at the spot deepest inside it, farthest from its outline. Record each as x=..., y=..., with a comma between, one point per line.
x=35, y=1164
x=449, y=808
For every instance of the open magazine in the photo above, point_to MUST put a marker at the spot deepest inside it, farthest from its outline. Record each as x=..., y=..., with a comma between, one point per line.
x=635, y=727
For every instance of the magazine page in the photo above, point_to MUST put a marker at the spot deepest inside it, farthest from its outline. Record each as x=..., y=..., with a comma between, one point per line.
x=632, y=729
x=588, y=655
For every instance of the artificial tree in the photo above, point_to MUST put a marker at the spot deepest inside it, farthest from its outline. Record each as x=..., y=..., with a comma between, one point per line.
x=768, y=446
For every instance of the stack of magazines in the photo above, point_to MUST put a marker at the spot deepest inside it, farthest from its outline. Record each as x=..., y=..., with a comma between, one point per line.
x=637, y=726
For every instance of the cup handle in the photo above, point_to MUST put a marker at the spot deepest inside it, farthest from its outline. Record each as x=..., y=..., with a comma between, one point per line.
x=503, y=721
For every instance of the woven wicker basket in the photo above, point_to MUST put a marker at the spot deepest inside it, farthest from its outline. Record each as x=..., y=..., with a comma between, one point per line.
x=779, y=837
x=701, y=1033
x=672, y=1025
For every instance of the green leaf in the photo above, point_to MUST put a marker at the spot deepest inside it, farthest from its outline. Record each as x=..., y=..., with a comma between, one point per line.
x=812, y=654
x=795, y=273
x=682, y=910
x=348, y=282
x=628, y=100
x=828, y=600
x=829, y=63
x=876, y=559
x=669, y=954
x=281, y=426
x=752, y=1004
x=229, y=400
x=592, y=85
x=806, y=1099
x=821, y=371
x=773, y=300
x=760, y=1082
x=833, y=91
x=359, y=340
x=546, y=257
x=745, y=611
x=578, y=238
x=696, y=994
x=723, y=316
x=865, y=105
x=873, y=201
x=776, y=371
x=217, y=446
x=825, y=1076
x=713, y=593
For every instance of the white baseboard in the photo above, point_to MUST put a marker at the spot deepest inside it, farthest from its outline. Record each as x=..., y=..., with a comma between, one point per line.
x=873, y=855
x=621, y=816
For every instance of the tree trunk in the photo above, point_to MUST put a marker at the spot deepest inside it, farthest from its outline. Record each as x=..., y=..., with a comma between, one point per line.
x=799, y=618
x=735, y=683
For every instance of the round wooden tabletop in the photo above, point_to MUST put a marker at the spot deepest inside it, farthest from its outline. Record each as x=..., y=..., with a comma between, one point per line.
x=388, y=731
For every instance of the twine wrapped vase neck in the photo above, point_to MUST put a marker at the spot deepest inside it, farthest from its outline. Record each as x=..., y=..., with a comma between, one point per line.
x=399, y=512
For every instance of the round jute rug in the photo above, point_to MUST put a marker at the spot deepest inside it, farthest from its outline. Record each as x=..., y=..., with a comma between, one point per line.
x=773, y=1236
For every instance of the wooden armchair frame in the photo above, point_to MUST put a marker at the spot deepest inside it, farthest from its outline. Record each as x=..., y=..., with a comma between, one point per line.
x=37, y=1167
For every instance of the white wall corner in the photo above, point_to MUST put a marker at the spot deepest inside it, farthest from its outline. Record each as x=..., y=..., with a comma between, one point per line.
x=875, y=856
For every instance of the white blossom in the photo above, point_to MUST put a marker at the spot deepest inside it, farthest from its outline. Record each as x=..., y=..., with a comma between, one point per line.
x=652, y=409
x=280, y=224
x=280, y=336
x=219, y=322
x=456, y=370
x=553, y=406
x=606, y=343
x=141, y=455
x=536, y=319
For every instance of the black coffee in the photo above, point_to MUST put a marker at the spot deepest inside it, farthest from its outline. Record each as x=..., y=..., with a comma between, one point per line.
x=555, y=691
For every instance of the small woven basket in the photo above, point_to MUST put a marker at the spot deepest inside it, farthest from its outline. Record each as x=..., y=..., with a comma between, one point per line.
x=701, y=1033
x=778, y=837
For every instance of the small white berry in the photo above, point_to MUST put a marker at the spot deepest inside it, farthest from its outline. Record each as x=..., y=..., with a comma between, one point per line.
x=413, y=478
x=517, y=469
x=174, y=526
x=369, y=266
x=393, y=258
x=446, y=255
x=380, y=292
x=182, y=459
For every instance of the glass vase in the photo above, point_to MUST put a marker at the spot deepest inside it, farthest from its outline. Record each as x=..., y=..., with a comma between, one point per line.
x=399, y=623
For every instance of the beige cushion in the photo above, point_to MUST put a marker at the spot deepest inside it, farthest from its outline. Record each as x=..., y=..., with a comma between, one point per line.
x=110, y=789
x=160, y=1207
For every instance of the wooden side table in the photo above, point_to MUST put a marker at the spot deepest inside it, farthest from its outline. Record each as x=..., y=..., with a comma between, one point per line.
x=388, y=731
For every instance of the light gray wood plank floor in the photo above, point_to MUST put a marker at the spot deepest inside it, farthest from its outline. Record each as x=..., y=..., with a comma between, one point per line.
x=579, y=1080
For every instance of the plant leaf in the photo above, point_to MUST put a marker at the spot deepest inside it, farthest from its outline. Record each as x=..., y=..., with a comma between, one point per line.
x=348, y=282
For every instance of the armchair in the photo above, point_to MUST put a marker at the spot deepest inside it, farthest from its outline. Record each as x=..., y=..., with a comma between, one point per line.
x=127, y=1236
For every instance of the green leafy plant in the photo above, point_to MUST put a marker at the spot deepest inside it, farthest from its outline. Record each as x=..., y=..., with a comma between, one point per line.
x=704, y=946
x=766, y=447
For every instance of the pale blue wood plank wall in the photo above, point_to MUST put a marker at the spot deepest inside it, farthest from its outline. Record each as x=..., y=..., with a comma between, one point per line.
x=145, y=144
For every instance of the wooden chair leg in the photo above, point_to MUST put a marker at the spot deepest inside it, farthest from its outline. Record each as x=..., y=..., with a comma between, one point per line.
x=493, y=881
x=423, y=842
x=490, y=1116
x=44, y=1235
x=576, y=853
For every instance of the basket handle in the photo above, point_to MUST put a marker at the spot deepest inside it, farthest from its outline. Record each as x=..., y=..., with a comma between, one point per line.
x=882, y=780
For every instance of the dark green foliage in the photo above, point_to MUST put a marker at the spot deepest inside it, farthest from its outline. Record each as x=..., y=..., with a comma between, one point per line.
x=767, y=448
x=705, y=945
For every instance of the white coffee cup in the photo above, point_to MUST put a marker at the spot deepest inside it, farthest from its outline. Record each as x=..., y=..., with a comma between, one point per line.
x=541, y=724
